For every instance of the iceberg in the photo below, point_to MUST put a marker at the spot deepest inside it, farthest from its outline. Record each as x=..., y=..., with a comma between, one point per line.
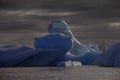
x=61, y=27
x=79, y=52
x=58, y=48
x=110, y=57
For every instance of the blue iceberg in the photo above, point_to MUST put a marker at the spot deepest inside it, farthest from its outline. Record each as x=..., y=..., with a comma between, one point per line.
x=58, y=48
x=61, y=27
x=110, y=57
x=79, y=52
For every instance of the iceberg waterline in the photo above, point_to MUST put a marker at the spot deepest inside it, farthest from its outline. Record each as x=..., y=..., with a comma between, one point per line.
x=58, y=48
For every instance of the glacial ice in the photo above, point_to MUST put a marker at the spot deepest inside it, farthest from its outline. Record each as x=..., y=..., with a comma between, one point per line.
x=59, y=48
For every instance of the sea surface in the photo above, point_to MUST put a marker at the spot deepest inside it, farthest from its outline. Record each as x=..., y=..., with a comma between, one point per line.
x=60, y=73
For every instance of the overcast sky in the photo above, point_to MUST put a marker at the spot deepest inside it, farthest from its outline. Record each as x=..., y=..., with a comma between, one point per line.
x=91, y=19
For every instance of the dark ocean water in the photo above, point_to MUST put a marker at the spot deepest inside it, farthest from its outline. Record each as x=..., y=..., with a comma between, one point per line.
x=92, y=22
x=60, y=73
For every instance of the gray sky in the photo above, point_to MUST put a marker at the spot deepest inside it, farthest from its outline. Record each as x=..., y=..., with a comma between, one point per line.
x=87, y=18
